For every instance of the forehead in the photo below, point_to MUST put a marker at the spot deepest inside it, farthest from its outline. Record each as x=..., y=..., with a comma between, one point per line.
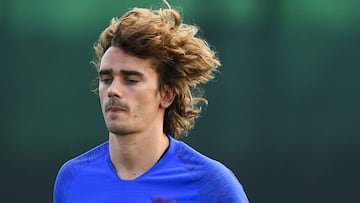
x=116, y=59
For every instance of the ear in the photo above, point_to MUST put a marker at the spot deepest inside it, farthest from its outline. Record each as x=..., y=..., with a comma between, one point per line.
x=167, y=96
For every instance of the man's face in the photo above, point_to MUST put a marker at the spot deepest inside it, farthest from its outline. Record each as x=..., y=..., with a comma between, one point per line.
x=129, y=93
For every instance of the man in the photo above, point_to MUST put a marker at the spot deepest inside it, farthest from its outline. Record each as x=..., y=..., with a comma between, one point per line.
x=147, y=62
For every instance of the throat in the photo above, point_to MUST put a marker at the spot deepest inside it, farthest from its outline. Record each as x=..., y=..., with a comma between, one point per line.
x=129, y=175
x=133, y=173
x=132, y=159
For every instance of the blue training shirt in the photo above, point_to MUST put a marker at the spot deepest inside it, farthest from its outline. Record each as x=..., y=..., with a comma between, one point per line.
x=182, y=175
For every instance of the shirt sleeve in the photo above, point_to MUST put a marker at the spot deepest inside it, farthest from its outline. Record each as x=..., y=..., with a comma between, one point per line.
x=61, y=183
x=221, y=185
x=232, y=190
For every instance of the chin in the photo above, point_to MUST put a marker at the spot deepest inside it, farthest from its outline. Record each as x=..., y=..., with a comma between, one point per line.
x=118, y=131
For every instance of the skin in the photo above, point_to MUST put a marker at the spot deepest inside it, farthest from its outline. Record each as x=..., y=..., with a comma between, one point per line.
x=133, y=108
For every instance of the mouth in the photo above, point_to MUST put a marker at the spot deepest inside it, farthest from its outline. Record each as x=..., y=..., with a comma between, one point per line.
x=115, y=106
x=114, y=109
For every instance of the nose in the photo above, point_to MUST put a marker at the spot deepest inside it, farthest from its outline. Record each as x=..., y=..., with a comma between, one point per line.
x=115, y=88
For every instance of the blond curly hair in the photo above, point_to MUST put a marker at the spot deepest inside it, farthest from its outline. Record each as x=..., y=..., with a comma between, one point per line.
x=185, y=60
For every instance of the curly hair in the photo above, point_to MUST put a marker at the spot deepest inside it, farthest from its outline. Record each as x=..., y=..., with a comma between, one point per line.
x=184, y=59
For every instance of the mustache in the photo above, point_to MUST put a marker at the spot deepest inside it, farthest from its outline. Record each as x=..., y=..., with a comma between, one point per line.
x=115, y=102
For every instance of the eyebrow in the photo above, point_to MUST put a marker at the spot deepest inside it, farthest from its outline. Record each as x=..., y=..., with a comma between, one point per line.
x=105, y=72
x=122, y=72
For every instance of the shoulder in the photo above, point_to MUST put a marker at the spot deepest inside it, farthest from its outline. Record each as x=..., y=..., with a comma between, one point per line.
x=215, y=182
x=73, y=167
x=85, y=159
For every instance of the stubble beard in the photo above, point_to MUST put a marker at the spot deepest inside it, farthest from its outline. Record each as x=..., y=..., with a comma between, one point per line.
x=119, y=131
x=111, y=122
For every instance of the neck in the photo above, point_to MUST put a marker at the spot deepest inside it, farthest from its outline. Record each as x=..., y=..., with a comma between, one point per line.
x=134, y=154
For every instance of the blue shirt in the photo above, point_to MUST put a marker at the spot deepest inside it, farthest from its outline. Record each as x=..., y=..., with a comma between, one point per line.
x=182, y=175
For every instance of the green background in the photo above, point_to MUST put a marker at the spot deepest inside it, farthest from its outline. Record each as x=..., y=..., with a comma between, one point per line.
x=283, y=113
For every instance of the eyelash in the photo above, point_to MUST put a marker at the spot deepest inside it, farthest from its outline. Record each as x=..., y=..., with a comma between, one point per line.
x=106, y=80
x=131, y=81
x=127, y=81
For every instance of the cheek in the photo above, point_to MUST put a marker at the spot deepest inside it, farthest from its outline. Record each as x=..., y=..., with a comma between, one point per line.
x=148, y=103
x=101, y=89
x=102, y=97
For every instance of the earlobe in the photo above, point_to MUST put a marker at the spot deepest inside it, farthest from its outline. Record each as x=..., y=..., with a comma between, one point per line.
x=167, y=97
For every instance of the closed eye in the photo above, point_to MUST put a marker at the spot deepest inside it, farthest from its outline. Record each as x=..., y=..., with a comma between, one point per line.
x=105, y=76
x=106, y=79
x=131, y=81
